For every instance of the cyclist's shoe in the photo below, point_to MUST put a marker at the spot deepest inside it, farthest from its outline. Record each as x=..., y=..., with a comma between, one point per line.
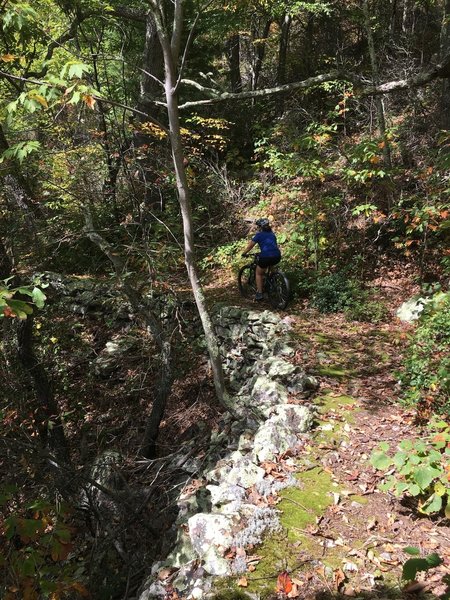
x=259, y=296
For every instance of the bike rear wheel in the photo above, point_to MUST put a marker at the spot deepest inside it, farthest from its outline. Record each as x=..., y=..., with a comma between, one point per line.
x=247, y=281
x=278, y=290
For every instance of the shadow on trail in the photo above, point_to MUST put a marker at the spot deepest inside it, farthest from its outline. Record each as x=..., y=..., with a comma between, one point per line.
x=311, y=592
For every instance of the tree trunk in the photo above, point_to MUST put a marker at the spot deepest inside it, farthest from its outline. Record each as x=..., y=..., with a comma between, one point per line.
x=152, y=73
x=170, y=53
x=405, y=15
x=375, y=76
x=285, y=26
x=259, y=53
x=233, y=52
x=48, y=419
x=5, y=261
x=445, y=49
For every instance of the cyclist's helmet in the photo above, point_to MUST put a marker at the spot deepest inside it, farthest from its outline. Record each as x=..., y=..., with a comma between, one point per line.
x=262, y=222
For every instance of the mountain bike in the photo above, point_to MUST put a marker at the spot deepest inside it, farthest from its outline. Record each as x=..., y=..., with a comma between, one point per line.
x=276, y=284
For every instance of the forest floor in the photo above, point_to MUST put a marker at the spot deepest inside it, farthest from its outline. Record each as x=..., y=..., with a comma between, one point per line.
x=342, y=536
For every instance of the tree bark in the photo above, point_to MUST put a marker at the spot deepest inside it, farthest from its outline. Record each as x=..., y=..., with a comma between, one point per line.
x=5, y=261
x=48, y=419
x=259, y=54
x=233, y=52
x=444, y=51
x=381, y=117
x=150, y=89
x=170, y=55
x=285, y=27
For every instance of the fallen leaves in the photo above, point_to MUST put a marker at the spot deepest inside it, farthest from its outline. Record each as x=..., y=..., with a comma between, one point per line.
x=284, y=583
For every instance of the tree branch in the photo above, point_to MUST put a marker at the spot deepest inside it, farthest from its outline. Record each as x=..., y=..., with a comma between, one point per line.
x=132, y=14
x=65, y=37
x=363, y=87
x=99, y=99
x=289, y=87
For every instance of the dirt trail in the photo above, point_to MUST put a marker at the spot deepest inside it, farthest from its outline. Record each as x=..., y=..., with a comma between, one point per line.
x=342, y=537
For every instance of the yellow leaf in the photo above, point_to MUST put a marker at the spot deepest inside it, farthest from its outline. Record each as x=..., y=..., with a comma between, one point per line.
x=42, y=101
x=7, y=57
x=89, y=100
x=242, y=582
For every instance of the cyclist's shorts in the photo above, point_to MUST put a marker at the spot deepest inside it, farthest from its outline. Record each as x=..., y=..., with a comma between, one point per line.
x=268, y=261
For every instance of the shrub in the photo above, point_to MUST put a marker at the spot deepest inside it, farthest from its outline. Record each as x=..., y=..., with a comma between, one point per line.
x=334, y=292
x=364, y=309
x=420, y=469
x=426, y=374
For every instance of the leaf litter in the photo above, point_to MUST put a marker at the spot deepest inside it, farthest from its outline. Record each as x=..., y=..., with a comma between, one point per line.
x=370, y=529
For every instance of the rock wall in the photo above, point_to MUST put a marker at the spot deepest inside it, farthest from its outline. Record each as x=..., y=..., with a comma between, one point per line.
x=222, y=512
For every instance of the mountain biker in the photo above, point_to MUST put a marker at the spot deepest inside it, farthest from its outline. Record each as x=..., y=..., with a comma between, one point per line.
x=268, y=256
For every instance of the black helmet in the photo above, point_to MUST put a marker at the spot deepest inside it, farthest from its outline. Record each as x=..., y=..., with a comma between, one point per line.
x=262, y=222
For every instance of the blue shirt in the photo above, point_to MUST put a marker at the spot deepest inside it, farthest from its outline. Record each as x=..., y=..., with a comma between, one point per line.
x=267, y=242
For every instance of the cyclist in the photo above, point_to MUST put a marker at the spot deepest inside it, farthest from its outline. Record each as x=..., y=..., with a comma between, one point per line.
x=268, y=256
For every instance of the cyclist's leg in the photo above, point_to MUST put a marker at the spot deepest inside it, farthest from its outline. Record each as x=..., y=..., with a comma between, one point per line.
x=260, y=272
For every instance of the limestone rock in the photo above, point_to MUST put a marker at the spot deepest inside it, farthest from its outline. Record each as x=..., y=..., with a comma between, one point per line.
x=221, y=494
x=279, y=432
x=267, y=392
x=410, y=310
x=210, y=536
x=245, y=474
x=111, y=356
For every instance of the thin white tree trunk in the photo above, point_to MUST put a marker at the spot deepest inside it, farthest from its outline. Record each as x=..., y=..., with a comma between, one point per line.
x=170, y=53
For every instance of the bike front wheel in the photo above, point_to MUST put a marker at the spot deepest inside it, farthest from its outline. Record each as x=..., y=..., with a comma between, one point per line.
x=278, y=290
x=247, y=281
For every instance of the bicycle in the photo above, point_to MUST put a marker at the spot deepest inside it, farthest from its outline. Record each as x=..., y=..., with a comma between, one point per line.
x=276, y=284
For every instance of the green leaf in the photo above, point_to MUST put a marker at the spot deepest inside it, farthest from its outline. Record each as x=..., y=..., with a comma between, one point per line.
x=420, y=447
x=75, y=98
x=384, y=446
x=406, y=445
x=413, y=565
x=24, y=290
x=434, y=560
x=28, y=567
x=414, y=489
x=380, y=460
x=388, y=485
x=432, y=505
x=400, y=459
x=412, y=550
x=440, y=425
x=21, y=309
x=423, y=476
x=402, y=487
x=38, y=297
